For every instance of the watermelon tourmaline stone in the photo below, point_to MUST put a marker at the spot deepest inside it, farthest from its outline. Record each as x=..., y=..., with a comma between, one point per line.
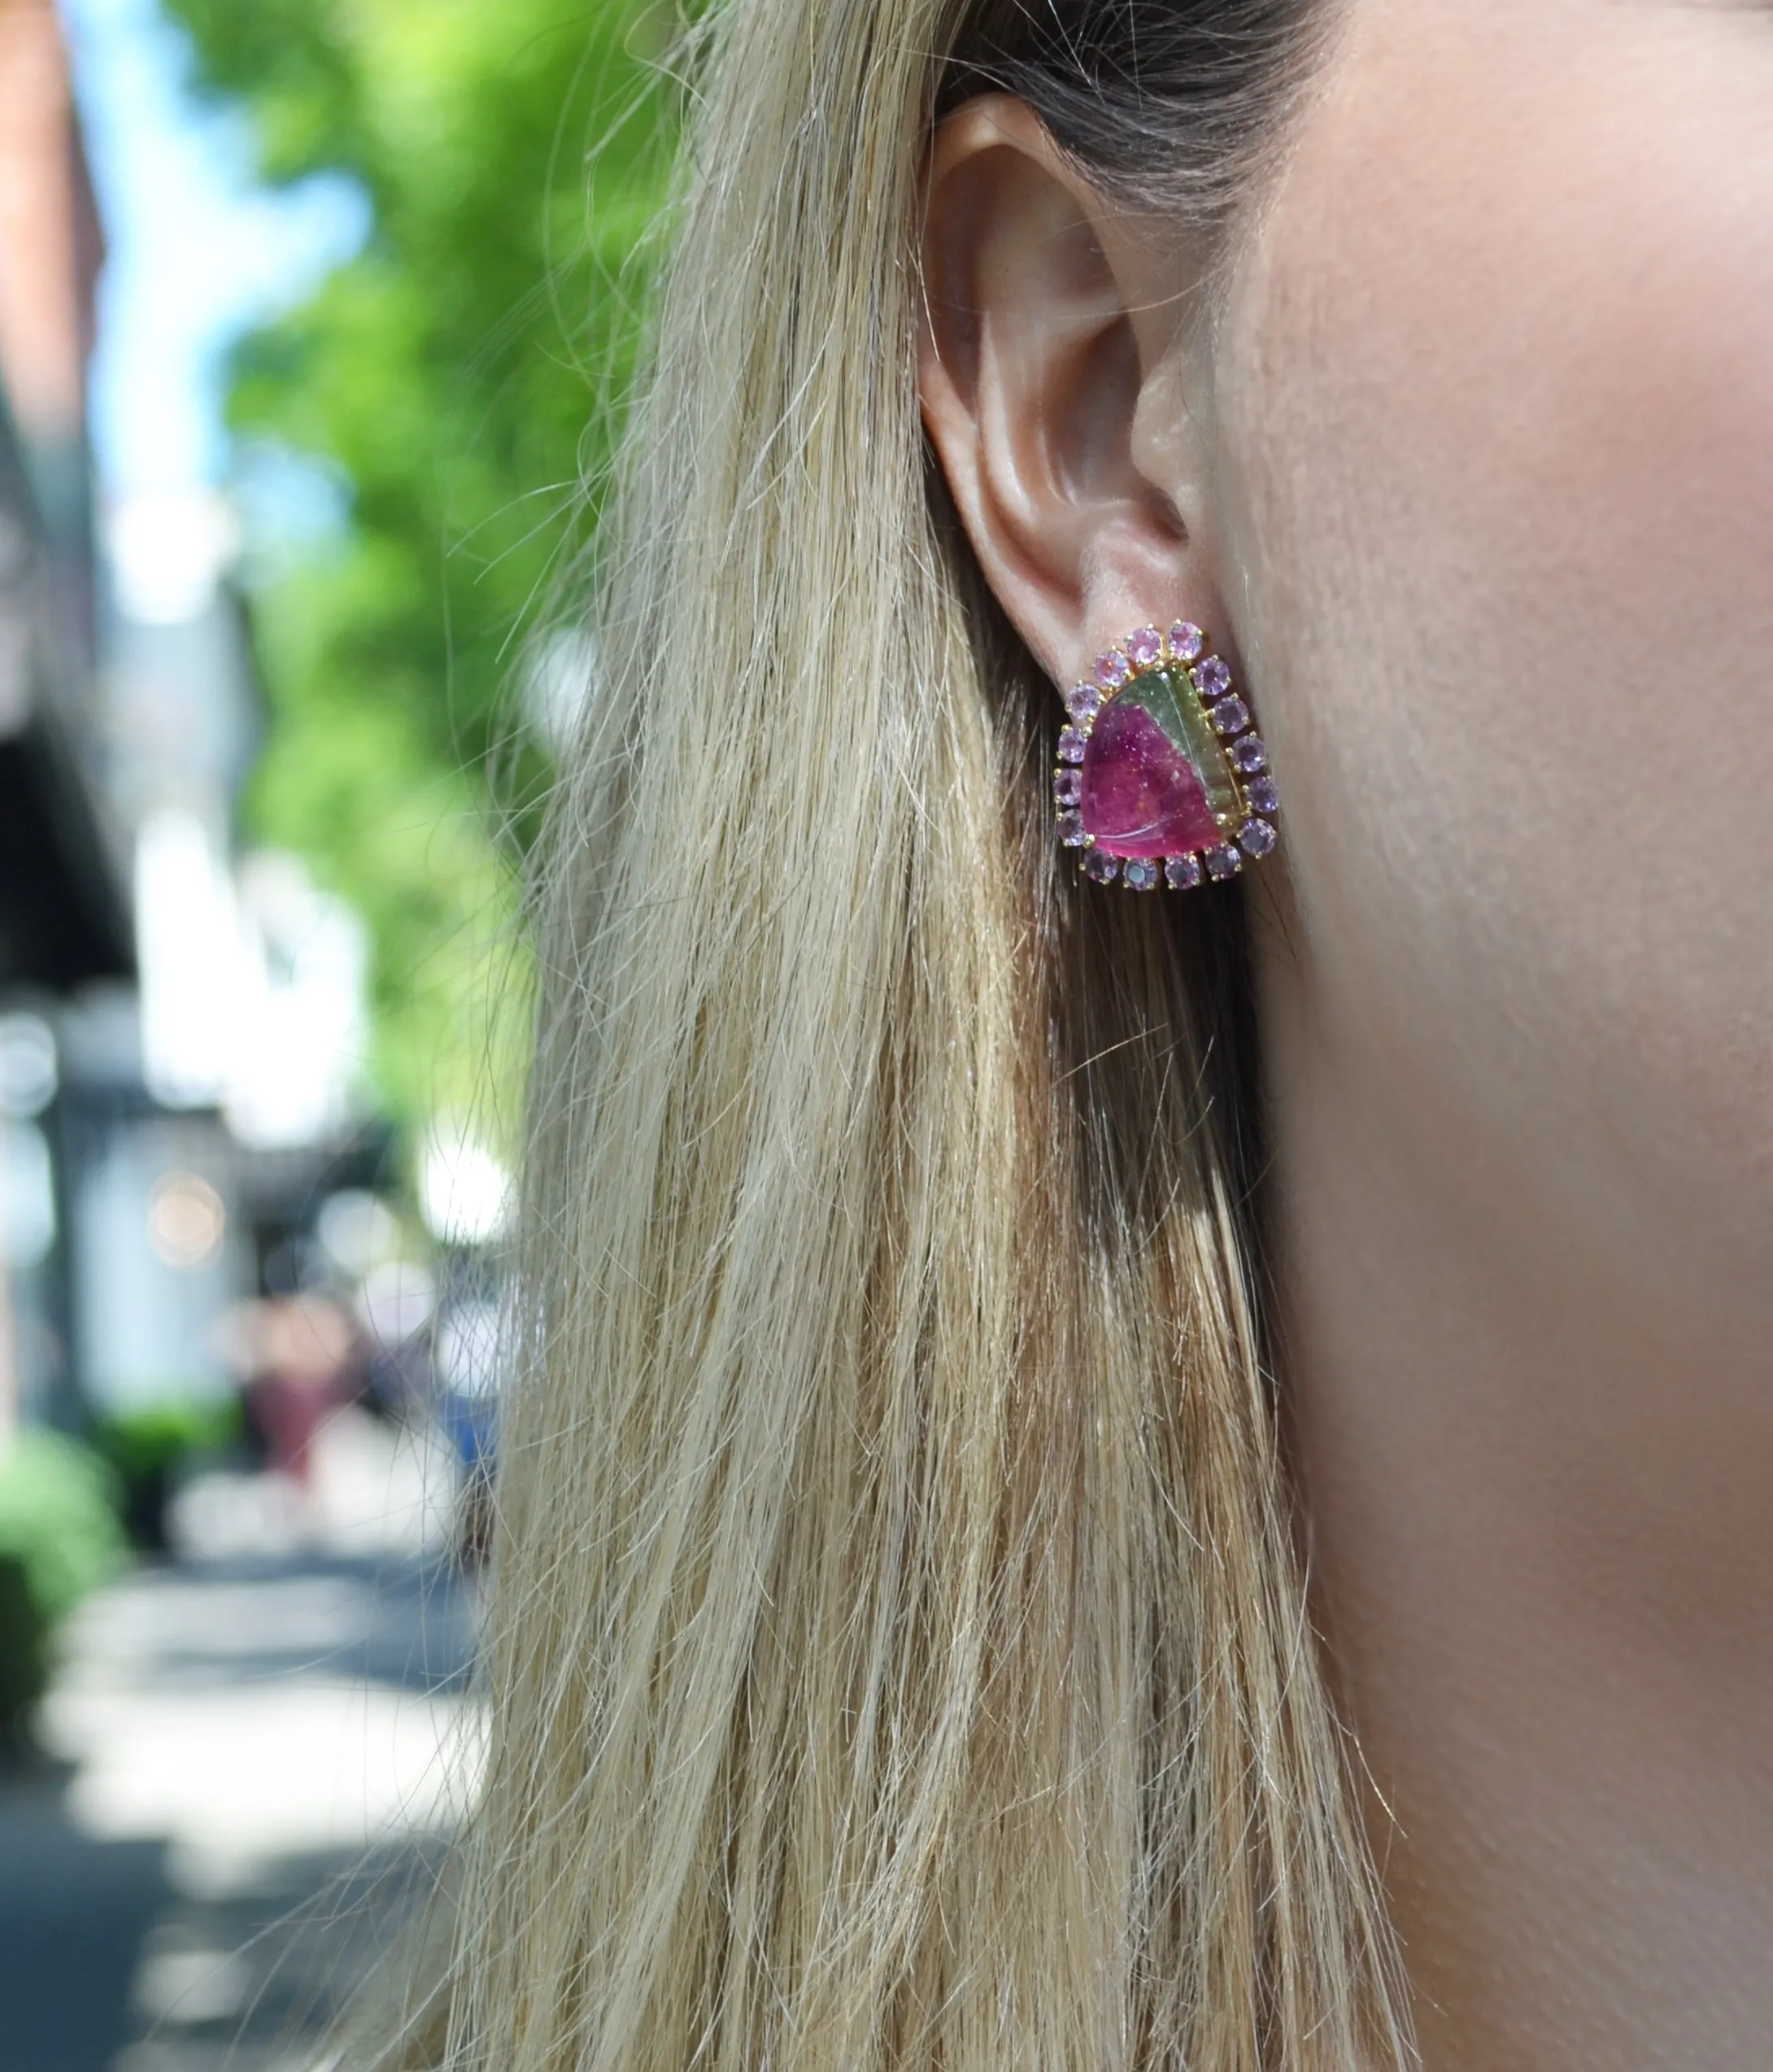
x=1156, y=780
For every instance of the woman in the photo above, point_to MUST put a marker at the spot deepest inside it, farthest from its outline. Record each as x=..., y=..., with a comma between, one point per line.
x=1119, y=1481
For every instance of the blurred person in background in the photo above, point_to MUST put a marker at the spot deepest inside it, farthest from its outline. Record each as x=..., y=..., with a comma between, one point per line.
x=1105, y=1479
x=304, y=1359
x=469, y=1350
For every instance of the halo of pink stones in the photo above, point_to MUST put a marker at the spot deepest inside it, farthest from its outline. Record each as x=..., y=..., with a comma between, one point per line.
x=1246, y=838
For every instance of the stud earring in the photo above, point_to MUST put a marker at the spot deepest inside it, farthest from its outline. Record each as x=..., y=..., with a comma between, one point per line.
x=1161, y=779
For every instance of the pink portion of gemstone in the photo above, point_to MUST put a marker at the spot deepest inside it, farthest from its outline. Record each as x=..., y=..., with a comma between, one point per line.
x=1141, y=794
x=1071, y=745
x=1084, y=703
x=1186, y=640
x=1112, y=669
x=1145, y=647
x=1182, y=873
x=1213, y=677
x=1230, y=716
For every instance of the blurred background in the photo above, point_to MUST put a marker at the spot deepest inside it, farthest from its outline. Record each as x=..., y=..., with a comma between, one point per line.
x=315, y=317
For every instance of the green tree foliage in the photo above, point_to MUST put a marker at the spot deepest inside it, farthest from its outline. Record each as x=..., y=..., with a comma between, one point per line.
x=458, y=377
x=60, y=1538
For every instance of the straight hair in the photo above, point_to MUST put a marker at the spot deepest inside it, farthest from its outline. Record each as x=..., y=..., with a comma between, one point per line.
x=898, y=1656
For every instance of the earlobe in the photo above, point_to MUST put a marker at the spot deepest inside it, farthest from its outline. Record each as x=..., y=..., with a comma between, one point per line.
x=1042, y=331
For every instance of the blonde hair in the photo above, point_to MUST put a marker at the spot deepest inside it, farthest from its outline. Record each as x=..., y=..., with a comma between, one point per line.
x=899, y=1657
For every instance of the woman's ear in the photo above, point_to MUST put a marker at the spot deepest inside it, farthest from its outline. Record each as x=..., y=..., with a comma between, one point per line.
x=1047, y=373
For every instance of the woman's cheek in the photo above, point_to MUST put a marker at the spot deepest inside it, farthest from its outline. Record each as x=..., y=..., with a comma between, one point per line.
x=1496, y=398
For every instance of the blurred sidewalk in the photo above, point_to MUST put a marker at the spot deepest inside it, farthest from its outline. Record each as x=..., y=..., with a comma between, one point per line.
x=258, y=1756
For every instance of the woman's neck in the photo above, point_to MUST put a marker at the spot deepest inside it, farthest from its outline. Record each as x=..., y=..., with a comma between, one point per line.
x=1536, y=1491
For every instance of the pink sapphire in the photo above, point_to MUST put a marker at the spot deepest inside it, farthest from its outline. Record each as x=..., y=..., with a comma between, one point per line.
x=1213, y=677
x=1071, y=745
x=1084, y=703
x=1256, y=837
x=1230, y=716
x=1182, y=873
x=1250, y=754
x=1145, y=648
x=1224, y=862
x=1112, y=669
x=1186, y=640
x=1263, y=796
x=1101, y=866
x=1141, y=796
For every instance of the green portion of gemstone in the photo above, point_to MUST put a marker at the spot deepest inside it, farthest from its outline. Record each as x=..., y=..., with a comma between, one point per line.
x=1173, y=701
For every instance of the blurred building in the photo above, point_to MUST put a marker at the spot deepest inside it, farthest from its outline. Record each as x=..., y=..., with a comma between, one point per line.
x=180, y=1025
x=64, y=919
